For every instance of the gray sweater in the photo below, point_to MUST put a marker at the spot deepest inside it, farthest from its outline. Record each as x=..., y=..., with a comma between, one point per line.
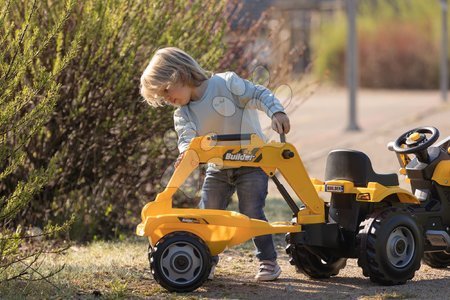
x=226, y=107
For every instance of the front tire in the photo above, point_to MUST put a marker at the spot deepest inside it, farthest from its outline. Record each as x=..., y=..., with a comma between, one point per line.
x=390, y=246
x=437, y=260
x=180, y=262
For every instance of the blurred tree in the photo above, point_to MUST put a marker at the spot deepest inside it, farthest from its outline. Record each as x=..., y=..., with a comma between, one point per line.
x=391, y=34
x=28, y=94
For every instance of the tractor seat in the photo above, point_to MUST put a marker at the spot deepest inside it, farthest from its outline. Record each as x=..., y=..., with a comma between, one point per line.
x=355, y=166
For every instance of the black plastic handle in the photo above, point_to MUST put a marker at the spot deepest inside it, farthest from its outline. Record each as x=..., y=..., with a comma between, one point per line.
x=231, y=137
x=239, y=137
x=282, y=136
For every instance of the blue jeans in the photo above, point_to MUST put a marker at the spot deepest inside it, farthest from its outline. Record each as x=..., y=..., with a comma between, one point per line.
x=251, y=186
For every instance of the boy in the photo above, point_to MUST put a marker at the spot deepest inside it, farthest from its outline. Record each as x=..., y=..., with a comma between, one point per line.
x=222, y=104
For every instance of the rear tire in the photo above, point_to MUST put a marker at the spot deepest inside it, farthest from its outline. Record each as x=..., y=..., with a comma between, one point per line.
x=437, y=260
x=307, y=261
x=390, y=246
x=180, y=262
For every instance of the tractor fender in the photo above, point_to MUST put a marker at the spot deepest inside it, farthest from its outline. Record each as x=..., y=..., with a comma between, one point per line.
x=376, y=192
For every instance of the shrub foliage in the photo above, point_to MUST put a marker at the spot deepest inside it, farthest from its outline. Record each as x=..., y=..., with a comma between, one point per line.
x=28, y=95
x=107, y=146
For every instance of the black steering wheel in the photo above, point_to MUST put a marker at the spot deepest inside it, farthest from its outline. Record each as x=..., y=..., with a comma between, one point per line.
x=416, y=140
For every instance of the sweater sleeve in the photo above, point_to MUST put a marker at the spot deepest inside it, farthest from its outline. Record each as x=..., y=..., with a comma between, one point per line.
x=186, y=130
x=249, y=95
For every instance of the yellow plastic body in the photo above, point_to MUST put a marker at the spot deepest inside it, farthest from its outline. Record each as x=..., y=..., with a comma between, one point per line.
x=221, y=229
x=442, y=173
x=218, y=228
x=374, y=192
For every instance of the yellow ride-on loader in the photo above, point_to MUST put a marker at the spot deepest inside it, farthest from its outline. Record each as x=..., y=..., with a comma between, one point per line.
x=368, y=217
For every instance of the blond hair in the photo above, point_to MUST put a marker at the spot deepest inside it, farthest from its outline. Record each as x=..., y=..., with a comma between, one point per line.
x=169, y=66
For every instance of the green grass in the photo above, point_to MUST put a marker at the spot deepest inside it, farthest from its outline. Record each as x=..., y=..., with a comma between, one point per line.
x=109, y=269
x=276, y=210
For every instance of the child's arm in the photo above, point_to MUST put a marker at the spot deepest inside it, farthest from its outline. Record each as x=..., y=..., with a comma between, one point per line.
x=258, y=97
x=186, y=131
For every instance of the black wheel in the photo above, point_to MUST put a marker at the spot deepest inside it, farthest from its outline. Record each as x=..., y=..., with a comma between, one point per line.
x=180, y=262
x=307, y=261
x=390, y=246
x=438, y=260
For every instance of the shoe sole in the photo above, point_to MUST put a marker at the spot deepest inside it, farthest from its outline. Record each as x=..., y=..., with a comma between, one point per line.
x=212, y=273
x=270, y=277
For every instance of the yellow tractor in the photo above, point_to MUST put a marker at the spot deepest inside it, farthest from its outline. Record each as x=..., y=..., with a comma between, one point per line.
x=368, y=216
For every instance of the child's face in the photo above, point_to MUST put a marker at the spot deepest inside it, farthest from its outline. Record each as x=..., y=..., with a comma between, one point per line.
x=177, y=94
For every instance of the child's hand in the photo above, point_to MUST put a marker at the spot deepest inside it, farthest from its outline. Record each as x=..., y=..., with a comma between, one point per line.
x=179, y=158
x=280, y=122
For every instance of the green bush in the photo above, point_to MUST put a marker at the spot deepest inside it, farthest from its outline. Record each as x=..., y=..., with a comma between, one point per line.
x=398, y=45
x=107, y=144
x=28, y=95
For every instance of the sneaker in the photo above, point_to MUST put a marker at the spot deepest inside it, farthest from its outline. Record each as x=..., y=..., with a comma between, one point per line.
x=213, y=269
x=268, y=271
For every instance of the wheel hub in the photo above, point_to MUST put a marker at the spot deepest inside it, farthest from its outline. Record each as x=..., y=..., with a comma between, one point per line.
x=400, y=247
x=181, y=263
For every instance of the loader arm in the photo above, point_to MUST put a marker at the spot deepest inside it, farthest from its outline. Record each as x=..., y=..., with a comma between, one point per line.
x=255, y=153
